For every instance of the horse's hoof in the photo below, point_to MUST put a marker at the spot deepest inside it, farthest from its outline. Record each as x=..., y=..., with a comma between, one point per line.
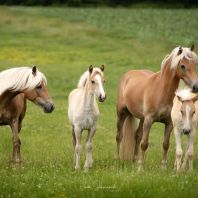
x=77, y=168
x=164, y=165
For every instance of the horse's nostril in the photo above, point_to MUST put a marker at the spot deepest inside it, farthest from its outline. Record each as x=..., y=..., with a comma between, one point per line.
x=52, y=107
x=195, y=88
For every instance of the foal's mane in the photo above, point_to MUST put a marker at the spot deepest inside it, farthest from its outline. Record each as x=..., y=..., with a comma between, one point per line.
x=83, y=79
x=185, y=93
x=175, y=58
x=19, y=79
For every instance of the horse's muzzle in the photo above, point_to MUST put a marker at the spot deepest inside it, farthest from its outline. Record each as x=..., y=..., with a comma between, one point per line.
x=195, y=87
x=102, y=99
x=186, y=131
x=48, y=107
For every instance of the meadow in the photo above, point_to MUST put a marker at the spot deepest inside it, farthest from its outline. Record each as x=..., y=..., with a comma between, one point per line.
x=63, y=42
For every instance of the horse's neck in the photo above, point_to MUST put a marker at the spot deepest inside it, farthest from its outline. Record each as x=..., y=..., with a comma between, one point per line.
x=88, y=97
x=169, y=83
x=6, y=97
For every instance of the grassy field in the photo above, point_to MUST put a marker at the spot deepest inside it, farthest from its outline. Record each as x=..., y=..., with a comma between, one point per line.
x=63, y=42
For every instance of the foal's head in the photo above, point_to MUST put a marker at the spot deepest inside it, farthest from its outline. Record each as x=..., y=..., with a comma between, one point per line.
x=184, y=61
x=187, y=110
x=39, y=94
x=96, y=79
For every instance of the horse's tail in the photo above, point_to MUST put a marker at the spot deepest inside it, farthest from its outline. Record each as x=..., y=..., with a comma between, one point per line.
x=128, y=140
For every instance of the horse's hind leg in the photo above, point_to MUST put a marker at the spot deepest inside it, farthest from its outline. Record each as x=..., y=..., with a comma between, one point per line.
x=89, y=160
x=138, y=137
x=73, y=137
x=78, y=147
x=16, y=157
x=120, y=122
x=167, y=132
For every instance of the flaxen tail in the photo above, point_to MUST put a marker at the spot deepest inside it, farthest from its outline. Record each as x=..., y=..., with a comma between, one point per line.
x=128, y=140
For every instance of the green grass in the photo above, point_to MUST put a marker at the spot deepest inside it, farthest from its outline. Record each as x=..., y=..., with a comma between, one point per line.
x=63, y=42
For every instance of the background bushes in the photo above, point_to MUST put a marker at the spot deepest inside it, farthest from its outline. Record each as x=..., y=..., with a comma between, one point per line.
x=159, y=3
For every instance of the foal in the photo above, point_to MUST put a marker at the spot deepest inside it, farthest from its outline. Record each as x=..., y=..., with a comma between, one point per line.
x=184, y=116
x=83, y=111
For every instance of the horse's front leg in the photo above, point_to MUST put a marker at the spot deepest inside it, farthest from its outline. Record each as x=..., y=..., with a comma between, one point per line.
x=16, y=156
x=144, y=142
x=179, y=151
x=78, y=147
x=167, y=132
x=89, y=159
x=189, y=152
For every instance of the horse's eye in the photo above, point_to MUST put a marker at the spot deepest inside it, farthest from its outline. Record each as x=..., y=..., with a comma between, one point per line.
x=92, y=81
x=193, y=112
x=39, y=87
x=183, y=67
x=182, y=112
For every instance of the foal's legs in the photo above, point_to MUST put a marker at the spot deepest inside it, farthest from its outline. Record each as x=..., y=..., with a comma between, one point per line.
x=138, y=137
x=120, y=123
x=179, y=151
x=16, y=157
x=189, y=152
x=89, y=160
x=73, y=137
x=78, y=147
x=167, y=132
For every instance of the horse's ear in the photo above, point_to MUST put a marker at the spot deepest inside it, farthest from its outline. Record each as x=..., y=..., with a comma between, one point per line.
x=180, y=50
x=102, y=67
x=192, y=47
x=90, y=69
x=195, y=99
x=34, y=70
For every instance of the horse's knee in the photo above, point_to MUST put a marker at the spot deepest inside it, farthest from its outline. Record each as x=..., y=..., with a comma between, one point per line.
x=138, y=137
x=119, y=137
x=165, y=146
x=89, y=147
x=78, y=149
x=17, y=143
x=190, y=154
x=179, y=153
x=144, y=145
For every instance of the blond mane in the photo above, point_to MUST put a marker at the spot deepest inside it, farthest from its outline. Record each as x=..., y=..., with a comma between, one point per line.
x=19, y=79
x=175, y=58
x=83, y=79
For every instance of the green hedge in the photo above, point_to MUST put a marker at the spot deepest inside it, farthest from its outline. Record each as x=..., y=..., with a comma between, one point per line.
x=185, y=3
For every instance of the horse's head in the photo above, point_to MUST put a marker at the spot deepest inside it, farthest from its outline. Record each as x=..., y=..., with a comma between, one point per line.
x=187, y=110
x=39, y=94
x=185, y=60
x=97, y=81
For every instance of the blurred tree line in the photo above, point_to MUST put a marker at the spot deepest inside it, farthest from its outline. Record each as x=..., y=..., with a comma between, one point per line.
x=183, y=3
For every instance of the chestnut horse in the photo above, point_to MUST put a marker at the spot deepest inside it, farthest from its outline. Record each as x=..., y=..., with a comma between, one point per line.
x=148, y=96
x=17, y=85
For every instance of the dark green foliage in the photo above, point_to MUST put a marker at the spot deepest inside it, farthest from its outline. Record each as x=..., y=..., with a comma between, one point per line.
x=169, y=3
